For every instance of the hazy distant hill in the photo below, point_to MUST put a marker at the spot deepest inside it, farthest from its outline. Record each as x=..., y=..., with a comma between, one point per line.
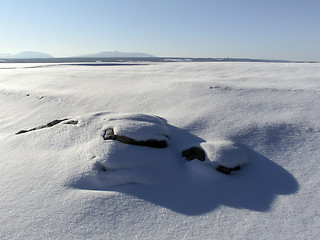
x=28, y=54
x=4, y=55
x=116, y=55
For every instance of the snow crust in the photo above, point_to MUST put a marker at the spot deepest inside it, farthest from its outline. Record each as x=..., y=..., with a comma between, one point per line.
x=67, y=182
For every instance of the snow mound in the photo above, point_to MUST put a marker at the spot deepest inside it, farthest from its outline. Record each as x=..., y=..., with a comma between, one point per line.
x=115, y=163
x=164, y=177
x=140, y=126
x=107, y=163
x=226, y=153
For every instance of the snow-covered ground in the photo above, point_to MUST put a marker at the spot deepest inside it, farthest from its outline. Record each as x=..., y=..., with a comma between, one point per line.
x=66, y=182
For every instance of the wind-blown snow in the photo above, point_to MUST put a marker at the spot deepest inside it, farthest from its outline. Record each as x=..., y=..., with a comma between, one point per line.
x=67, y=182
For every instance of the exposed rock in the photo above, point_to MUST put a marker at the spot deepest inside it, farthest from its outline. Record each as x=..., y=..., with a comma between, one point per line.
x=50, y=124
x=194, y=153
x=73, y=122
x=54, y=122
x=109, y=135
x=23, y=131
x=147, y=143
x=227, y=170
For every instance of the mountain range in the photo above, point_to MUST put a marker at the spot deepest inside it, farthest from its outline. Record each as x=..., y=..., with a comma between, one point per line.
x=115, y=54
x=27, y=54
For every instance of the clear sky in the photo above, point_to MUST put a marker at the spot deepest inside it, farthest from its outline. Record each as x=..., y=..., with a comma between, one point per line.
x=268, y=29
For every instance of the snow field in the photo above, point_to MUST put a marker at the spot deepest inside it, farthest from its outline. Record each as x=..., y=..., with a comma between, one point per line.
x=66, y=181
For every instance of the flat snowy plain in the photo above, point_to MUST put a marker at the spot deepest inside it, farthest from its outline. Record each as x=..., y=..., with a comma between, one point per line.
x=67, y=182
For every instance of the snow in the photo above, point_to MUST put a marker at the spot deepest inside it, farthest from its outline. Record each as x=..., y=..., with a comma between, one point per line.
x=225, y=153
x=139, y=126
x=67, y=182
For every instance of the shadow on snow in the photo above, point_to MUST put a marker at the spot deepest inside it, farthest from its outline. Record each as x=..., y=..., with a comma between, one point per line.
x=195, y=188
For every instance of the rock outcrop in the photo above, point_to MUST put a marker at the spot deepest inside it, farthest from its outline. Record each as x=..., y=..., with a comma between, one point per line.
x=109, y=135
x=194, y=153
x=50, y=124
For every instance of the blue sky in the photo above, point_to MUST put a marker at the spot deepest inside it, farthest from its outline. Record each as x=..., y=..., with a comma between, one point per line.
x=268, y=29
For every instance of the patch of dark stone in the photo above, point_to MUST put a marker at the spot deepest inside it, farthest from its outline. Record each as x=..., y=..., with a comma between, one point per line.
x=197, y=153
x=72, y=122
x=50, y=124
x=227, y=170
x=109, y=135
x=194, y=153
x=54, y=122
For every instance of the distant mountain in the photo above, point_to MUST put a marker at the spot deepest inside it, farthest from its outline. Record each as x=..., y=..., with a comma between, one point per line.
x=32, y=55
x=5, y=55
x=116, y=55
x=28, y=54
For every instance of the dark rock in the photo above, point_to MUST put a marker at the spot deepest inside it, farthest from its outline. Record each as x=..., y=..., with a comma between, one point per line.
x=22, y=131
x=73, y=122
x=50, y=124
x=55, y=122
x=194, y=153
x=227, y=170
x=109, y=135
x=147, y=143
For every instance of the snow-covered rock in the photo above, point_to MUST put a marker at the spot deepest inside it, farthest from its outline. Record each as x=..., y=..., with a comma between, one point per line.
x=225, y=153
